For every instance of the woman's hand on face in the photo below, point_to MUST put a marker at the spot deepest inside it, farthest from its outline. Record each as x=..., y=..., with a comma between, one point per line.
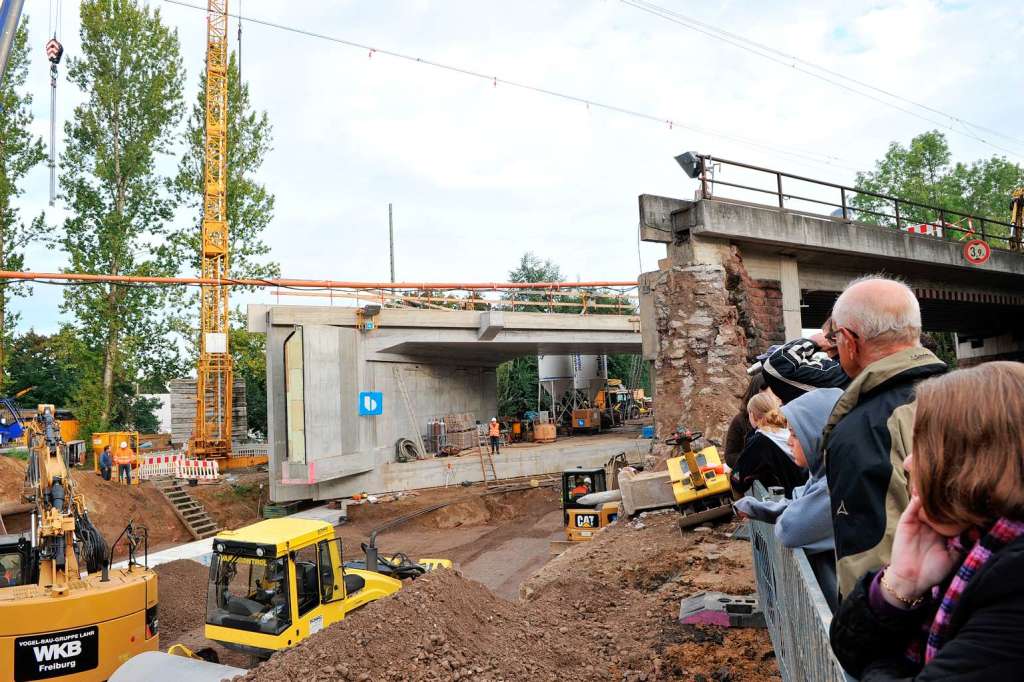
x=920, y=558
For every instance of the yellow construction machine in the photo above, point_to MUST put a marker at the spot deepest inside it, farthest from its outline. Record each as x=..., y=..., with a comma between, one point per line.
x=700, y=482
x=64, y=614
x=274, y=583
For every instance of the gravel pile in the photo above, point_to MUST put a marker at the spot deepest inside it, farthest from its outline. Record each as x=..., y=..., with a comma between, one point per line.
x=181, y=586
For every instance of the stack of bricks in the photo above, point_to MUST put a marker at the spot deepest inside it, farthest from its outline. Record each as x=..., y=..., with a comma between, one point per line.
x=460, y=431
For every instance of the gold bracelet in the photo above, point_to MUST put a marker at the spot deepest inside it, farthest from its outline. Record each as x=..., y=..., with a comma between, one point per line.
x=907, y=602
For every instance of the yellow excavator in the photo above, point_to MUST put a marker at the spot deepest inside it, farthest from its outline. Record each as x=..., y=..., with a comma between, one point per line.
x=64, y=614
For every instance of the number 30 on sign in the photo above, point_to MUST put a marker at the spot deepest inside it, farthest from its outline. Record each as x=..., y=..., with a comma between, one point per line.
x=977, y=251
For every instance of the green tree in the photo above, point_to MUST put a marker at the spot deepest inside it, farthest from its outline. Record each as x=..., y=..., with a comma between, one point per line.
x=131, y=76
x=19, y=153
x=923, y=172
x=250, y=206
x=49, y=363
x=517, y=379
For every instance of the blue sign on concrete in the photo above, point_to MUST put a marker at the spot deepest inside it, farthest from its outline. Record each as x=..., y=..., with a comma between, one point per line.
x=371, y=403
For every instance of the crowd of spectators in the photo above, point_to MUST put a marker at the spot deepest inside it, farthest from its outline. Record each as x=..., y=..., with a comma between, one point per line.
x=904, y=484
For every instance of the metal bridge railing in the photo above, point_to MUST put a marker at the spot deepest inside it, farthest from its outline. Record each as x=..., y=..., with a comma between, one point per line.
x=794, y=607
x=858, y=205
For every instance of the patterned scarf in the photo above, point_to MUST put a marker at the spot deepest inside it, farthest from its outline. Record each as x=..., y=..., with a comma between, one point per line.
x=936, y=631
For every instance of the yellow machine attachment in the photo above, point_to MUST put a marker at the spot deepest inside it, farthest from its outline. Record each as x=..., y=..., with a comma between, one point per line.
x=64, y=615
x=274, y=583
x=699, y=481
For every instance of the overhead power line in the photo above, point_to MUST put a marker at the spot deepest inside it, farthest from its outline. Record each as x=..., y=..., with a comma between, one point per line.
x=835, y=78
x=807, y=156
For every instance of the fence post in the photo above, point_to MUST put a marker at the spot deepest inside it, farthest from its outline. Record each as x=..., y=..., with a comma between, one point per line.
x=842, y=198
x=778, y=182
x=896, y=203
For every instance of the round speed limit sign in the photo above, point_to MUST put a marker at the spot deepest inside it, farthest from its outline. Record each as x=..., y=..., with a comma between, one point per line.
x=977, y=251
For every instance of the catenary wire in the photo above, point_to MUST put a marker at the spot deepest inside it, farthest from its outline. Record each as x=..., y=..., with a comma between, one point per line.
x=809, y=157
x=792, y=62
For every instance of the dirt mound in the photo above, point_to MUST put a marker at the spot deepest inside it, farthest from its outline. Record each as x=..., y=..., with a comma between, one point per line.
x=441, y=627
x=604, y=610
x=110, y=504
x=181, y=586
x=234, y=502
x=479, y=510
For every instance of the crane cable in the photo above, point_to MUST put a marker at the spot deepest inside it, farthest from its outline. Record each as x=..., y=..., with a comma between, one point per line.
x=54, y=51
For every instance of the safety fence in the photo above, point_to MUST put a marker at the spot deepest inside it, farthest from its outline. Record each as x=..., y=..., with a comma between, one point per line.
x=176, y=465
x=159, y=465
x=797, y=613
x=251, y=450
x=197, y=468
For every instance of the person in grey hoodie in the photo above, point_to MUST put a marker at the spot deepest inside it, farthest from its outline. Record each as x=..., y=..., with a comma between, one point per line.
x=805, y=521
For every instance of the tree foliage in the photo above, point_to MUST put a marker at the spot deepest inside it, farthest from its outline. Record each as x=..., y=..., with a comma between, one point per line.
x=131, y=75
x=19, y=153
x=250, y=207
x=518, y=378
x=249, y=353
x=923, y=172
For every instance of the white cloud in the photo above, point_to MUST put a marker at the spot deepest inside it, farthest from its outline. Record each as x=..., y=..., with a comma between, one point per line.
x=478, y=174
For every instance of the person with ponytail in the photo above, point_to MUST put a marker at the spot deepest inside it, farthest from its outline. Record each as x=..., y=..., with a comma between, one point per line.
x=767, y=456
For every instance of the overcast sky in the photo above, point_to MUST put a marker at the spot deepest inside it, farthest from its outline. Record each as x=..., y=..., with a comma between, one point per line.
x=480, y=173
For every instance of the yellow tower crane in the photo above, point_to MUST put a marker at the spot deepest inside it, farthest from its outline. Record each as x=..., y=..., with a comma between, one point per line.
x=211, y=436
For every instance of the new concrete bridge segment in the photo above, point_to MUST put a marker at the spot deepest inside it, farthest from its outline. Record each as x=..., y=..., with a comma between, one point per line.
x=422, y=363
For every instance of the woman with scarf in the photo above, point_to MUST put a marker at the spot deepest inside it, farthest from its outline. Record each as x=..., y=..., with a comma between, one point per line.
x=767, y=456
x=950, y=605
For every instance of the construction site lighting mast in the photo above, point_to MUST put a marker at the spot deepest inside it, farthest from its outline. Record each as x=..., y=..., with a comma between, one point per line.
x=211, y=436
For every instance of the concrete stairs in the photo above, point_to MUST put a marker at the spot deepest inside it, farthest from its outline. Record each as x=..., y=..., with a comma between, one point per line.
x=188, y=509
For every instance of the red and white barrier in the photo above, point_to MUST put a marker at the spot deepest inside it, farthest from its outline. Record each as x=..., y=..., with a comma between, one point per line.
x=159, y=465
x=197, y=468
x=927, y=229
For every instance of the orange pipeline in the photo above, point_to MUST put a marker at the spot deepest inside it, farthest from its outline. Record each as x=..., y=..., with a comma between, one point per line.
x=303, y=283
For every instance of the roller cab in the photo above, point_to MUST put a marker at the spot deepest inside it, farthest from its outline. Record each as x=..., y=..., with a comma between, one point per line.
x=274, y=583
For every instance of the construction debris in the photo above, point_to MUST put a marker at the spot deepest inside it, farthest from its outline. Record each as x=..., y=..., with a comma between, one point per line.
x=718, y=608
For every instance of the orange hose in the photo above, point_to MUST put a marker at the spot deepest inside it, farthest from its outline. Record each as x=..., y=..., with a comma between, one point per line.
x=303, y=283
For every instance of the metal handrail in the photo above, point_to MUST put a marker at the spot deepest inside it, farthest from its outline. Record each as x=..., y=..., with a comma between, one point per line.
x=707, y=180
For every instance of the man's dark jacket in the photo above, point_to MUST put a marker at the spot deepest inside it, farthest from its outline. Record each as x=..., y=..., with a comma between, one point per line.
x=986, y=635
x=866, y=440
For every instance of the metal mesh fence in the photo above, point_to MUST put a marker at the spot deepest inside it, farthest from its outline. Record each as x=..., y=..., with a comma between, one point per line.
x=796, y=611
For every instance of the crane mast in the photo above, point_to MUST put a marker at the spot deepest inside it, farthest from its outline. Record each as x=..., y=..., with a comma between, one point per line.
x=211, y=436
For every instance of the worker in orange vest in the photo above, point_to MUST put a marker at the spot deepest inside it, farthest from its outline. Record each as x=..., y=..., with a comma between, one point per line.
x=124, y=458
x=494, y=431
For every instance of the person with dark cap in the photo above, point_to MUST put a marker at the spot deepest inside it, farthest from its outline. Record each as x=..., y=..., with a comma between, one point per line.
x=802, y=365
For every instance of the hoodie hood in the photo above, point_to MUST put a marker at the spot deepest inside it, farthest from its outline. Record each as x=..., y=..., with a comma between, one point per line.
x=807, y=417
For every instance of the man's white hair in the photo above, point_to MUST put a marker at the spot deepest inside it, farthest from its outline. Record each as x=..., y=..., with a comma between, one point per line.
x=892, y=318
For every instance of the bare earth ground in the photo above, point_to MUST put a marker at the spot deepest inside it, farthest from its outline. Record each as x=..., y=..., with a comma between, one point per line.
x=604, y=610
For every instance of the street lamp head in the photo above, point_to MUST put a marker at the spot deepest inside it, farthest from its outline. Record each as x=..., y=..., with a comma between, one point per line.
x=690, y=163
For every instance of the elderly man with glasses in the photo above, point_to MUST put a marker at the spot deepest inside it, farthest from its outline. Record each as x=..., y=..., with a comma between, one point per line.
x=876, y=330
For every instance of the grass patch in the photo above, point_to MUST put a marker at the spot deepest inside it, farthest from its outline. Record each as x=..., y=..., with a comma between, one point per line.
x=238, y=491
x=16, y=453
